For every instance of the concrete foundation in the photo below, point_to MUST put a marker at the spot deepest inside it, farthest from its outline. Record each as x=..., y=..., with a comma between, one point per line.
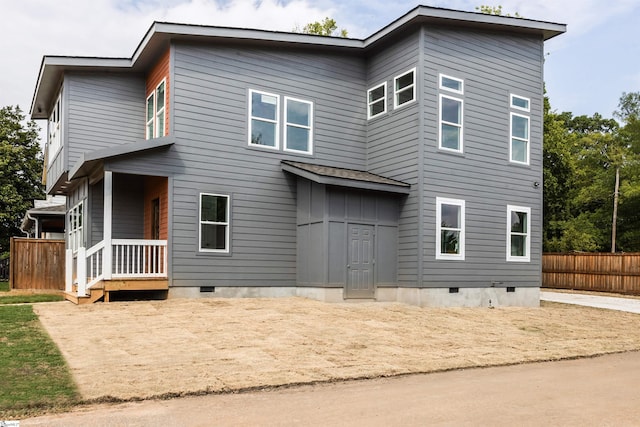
x=423, y=297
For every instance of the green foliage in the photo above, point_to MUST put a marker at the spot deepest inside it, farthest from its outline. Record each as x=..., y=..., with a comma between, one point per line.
x=494, y=10
x=326, y=27
x=581, y=155
x=20, y=171
x=34, y=374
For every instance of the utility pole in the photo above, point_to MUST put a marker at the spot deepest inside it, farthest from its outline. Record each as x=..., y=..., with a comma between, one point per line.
x=615, y=211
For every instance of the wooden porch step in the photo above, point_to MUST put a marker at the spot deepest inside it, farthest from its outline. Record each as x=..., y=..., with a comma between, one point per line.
x=95, y=294
x=159, y=284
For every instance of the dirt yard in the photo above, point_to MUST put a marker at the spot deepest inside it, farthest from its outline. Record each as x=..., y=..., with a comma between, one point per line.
x=131, y=350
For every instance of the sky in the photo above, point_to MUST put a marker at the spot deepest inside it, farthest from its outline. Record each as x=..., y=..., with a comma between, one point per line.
x=586, y=69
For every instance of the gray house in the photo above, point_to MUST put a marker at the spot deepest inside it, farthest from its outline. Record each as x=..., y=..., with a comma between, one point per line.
x=233, y=162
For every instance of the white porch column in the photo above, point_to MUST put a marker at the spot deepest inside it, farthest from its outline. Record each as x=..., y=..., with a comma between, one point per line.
x=68, y=270
x=82, y=271
x=108, y=206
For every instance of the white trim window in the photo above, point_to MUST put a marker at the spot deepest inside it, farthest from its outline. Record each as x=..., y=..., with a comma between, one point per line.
x=377, y=100
x=156, y=112
x=213, y=230
x=450, y=130
x=452, y=84
x=55, y=130
x=298, y=129
x=519, y=144
x=75, y=225
x=518, y=233
x=264, y=119
x=520, y=103
x=450, y=228
x=404, y=88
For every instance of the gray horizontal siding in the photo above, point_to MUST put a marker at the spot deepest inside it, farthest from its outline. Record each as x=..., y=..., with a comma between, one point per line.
x=492, y=66
x=210, y=90
x=103, y=110
x=393, y=145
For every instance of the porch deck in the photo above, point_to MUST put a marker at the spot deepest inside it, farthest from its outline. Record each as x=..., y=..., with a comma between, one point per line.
x=104, y=288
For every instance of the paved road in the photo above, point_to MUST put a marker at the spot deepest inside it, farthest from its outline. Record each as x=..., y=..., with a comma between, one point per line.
x=586, y=392
x=622, y=304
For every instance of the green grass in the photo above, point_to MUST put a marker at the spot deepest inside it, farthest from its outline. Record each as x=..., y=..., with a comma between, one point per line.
x=33, y=373
x=29, y=298
x=4, y=286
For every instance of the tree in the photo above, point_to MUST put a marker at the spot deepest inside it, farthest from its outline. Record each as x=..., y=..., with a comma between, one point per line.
x=327, y=27
x=20, y=171
x=494, y=10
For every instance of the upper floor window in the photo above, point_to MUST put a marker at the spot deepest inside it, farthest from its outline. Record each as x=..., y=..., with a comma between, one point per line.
x=518, y=233
x=519, y=148
x=55, y=129
x=264, y=122
x=451, y=113
x=214, y=223
x=297, y=118
x=520, y=103
x=404, y=88
x=377, y=100
x=264, y=111
x=156, y=112
x=450, y=228
x=451, y=83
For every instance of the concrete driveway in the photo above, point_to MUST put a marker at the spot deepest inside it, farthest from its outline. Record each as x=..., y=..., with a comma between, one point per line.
x=630, y=305
x=600, y=391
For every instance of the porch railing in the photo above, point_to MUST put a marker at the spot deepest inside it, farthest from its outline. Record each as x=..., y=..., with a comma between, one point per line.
x=130, y=258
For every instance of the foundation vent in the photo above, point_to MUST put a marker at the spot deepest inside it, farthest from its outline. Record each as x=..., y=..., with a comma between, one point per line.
x=511, y=288
x=454, y=290
x=204, y=289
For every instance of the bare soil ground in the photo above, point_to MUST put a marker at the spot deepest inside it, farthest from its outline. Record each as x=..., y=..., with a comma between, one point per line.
x=131, y=350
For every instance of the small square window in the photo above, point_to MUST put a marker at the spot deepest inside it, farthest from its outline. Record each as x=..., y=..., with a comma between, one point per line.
x=520, y=103
x=451, y=83
x=377, y=100
x=404, y=88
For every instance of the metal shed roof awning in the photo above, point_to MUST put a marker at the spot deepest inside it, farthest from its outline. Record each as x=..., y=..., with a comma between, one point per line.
x=345, y=177
x=88, y=160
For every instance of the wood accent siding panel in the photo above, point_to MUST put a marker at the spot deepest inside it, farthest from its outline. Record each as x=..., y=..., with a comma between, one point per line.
x=159, y=72
x=211, y=154
x=104, y=110
x=393, y=145
x=492, y=66
x=156, y=188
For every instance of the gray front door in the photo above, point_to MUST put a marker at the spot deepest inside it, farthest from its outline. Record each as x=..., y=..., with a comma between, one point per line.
x=360, y=263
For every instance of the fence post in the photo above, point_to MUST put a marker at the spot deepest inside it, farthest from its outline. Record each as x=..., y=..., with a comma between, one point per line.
x=82, y=271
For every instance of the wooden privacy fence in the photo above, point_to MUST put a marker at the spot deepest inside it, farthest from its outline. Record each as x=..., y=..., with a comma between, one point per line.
x=592, y=272
x=36, y=264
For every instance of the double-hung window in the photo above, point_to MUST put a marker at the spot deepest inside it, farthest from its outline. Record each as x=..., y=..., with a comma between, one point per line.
x=451, y=113
x=55, y=137
x=519, y=145
x=156, y=112
x=404, y=88
x=298, y=132
x=214, y=223
x=75, y=226
x=377, y=100
x=264, y=119
x=518, y=233
x=450, y=228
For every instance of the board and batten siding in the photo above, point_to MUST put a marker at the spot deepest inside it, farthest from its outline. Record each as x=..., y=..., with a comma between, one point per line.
x=392, y=140
x=492, y=66
x=211, y=154
x=103, y=110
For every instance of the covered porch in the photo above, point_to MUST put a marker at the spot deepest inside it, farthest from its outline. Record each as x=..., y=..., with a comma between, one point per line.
x=117, y=236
